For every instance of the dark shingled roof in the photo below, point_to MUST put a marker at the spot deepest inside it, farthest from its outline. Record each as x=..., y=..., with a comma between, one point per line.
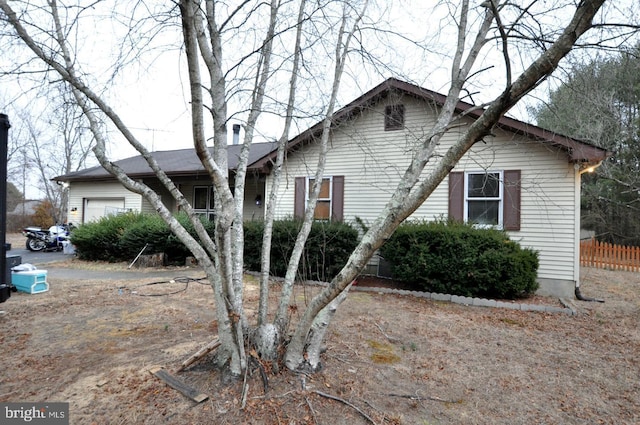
x=176, y=163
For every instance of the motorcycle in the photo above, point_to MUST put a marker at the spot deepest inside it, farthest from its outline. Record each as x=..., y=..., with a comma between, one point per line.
x=47, y=240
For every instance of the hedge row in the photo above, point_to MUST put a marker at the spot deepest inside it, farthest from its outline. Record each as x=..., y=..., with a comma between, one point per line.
x=122, y=237
x=455, y=258
x=434, y=256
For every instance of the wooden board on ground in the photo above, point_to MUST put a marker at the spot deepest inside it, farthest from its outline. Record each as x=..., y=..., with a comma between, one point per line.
x=201, y=353
x=178, y=385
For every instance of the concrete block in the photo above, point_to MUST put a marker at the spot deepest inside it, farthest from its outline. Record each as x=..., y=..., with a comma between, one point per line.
x=511, y=306
x=483, y=302
x=533, y=307
x=461, y=300
x=441, y=297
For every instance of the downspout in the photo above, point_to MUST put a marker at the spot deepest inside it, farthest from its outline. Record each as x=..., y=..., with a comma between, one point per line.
x=589, y=169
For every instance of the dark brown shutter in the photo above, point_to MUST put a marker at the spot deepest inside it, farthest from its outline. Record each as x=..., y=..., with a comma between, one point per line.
x=299, y=197
x=337, y=201
x=511, y=211
x=456, y=196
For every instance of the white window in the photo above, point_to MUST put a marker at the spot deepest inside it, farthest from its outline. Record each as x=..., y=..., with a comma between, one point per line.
x=323, y=206
x=483, y=198
x=203, y=201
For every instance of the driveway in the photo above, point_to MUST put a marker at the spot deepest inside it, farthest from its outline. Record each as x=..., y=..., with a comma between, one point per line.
x=37, y=258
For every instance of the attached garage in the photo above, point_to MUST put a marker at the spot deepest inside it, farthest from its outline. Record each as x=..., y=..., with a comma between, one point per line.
x=90, y=201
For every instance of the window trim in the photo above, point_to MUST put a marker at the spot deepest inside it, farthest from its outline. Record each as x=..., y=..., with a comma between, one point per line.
x=337, y=197
x=209, y=210
x=499, y=198
x=308, y=182
x=512, y=211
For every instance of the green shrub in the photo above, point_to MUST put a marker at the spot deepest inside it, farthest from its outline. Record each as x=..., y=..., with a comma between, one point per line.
x=150, y=231
x=100, y=240
x=153, y=232
x=328, y=249
x=326, y=252
x=459, y=259
x=253, y=231
x=122, y=237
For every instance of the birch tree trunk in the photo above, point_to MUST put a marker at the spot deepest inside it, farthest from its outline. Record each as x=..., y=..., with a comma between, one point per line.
x=345, y=37
x=276, y=173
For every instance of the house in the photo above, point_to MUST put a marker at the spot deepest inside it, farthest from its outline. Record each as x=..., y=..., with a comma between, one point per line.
x=523, y=179
x=25, y=208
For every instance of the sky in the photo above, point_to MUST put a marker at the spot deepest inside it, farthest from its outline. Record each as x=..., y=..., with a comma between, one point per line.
x=153, y=99
x=150, y=93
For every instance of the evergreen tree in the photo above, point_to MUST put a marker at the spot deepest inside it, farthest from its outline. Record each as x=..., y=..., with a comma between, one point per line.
x=600, y=103
x=14, y=196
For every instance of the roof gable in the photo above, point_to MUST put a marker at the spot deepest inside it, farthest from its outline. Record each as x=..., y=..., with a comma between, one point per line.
x=576, y=150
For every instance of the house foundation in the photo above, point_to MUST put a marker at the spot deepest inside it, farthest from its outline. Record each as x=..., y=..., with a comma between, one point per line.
x=559, y=288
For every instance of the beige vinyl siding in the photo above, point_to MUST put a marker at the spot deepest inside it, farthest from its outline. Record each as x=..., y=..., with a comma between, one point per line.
x=548, y=198
x=165, y=196
x=79, y=191
x=373, y=161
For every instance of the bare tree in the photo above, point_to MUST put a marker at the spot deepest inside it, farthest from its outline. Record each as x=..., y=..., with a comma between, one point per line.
x=221, y=72
x=52, y=142
x=17, y=161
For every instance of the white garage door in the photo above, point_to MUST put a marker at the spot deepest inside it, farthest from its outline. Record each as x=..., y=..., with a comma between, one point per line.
x=96, y=208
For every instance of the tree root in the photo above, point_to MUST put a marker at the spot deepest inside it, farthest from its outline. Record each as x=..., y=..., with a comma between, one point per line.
x=245, y=389
x=253, y=358
x=421, y=398
x=341, y=400
x=313, y=412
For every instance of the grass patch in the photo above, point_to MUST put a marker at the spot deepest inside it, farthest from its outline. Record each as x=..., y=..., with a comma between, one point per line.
x=383, y=353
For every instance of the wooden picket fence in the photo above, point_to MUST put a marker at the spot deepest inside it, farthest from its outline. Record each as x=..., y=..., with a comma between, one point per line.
x=609, y=256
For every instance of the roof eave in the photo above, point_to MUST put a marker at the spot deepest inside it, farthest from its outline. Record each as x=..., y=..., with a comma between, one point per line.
x=577, y=150
x=109, y=177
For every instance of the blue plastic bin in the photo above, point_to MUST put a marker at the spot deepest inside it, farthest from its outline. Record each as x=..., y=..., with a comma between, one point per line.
x=31, y=282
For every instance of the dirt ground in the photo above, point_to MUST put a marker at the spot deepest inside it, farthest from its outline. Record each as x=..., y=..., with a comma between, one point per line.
x=394, y=359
